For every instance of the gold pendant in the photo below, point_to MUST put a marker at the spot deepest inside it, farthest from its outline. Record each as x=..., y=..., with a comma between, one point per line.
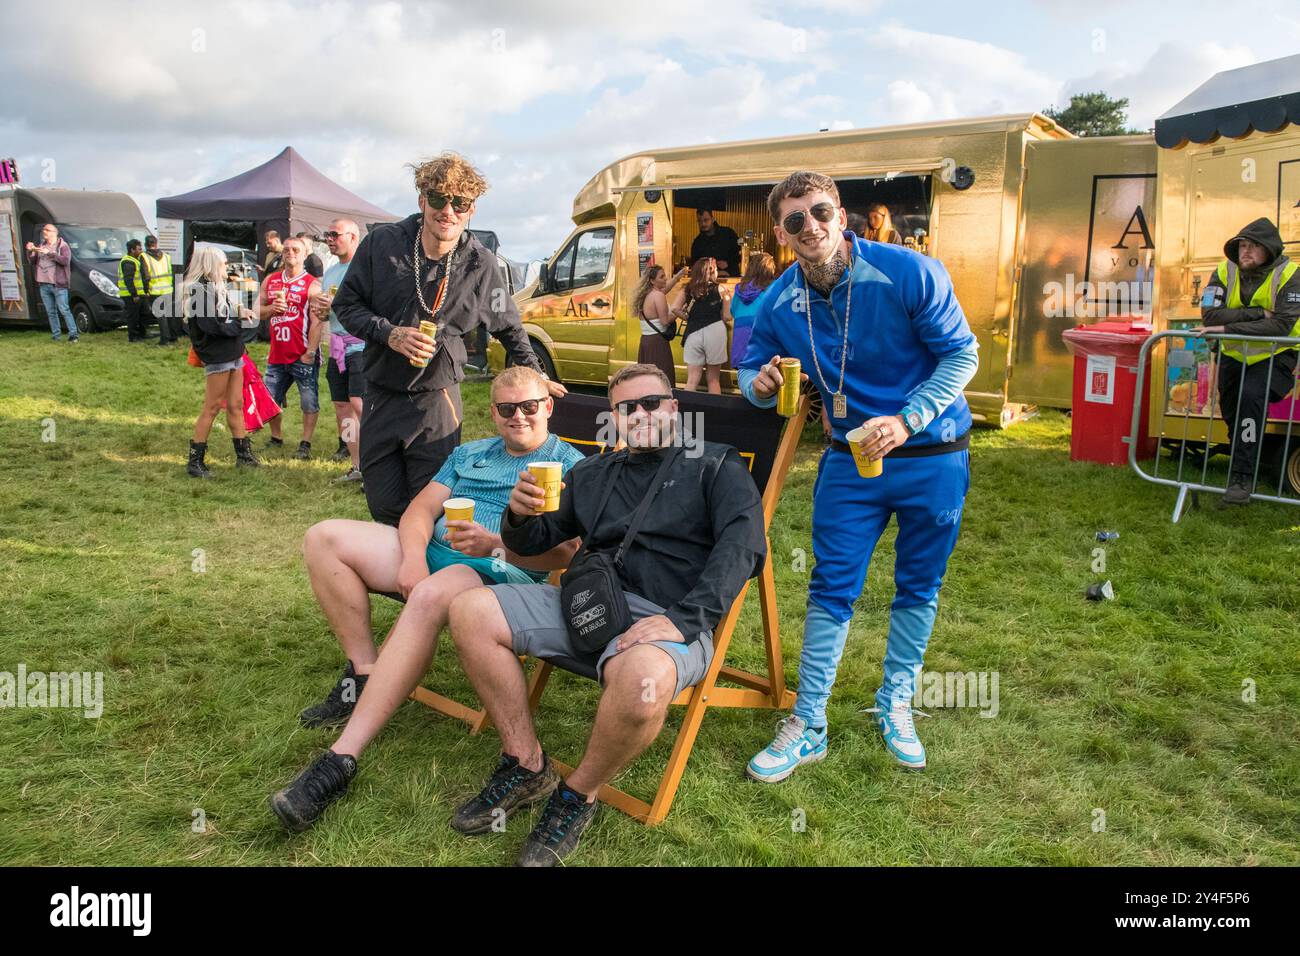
x=841, y=405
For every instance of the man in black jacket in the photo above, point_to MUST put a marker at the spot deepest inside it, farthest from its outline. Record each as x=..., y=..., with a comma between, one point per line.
x=700, y=541
x=1255, y=291
x=428, y=267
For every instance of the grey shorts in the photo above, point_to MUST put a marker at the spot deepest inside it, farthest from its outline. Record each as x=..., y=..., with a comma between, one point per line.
x=537, y=629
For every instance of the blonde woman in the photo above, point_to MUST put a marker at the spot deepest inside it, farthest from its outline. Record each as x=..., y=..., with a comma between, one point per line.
x=213, y=316
x=658, y=319
x=708, y=313
x=880, y=225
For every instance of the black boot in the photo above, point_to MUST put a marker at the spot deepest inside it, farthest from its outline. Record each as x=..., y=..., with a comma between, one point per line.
x=196, y=468
x=244, y=457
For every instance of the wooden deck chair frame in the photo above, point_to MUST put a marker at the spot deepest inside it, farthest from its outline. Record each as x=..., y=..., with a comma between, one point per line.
x=754, y=690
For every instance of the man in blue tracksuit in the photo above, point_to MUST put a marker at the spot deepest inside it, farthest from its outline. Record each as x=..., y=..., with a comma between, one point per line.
x=892, y=354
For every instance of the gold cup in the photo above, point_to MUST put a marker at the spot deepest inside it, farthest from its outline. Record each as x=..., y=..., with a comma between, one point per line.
x=431, y=330
x=457, y=509
x=787, y=399
x=547, y=474
x=857, y=440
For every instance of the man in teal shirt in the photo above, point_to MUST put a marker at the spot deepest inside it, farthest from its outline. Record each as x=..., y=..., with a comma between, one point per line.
x=344, y=372
x=349, y=560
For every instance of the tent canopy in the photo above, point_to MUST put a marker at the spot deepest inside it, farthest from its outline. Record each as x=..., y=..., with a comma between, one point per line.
x=286, y=193
x=1264, y=97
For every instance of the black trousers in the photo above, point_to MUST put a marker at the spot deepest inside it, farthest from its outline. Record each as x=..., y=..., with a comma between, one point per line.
x=137, y=318
x=405, y=438
x=169, y=325
x=1255, y=389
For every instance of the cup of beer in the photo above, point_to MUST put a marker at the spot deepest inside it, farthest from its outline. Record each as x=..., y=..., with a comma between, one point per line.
x=857, y=440
x=547, y=474
x=431, y=330
x=457, y=509
x=787, y=399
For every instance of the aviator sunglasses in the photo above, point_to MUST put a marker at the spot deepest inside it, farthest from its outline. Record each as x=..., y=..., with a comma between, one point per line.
x=822, y=212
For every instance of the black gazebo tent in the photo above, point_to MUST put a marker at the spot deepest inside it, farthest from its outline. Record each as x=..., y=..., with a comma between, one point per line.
x=286, y=194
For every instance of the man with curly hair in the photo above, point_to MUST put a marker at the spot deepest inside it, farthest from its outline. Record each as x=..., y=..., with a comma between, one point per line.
x=426, y=268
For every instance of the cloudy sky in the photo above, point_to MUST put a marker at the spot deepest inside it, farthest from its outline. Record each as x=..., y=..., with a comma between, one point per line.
x=160, y=98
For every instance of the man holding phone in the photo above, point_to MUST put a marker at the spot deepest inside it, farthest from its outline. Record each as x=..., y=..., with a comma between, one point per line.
x=426, y=268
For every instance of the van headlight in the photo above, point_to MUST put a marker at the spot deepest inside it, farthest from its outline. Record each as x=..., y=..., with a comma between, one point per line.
x=103, y=283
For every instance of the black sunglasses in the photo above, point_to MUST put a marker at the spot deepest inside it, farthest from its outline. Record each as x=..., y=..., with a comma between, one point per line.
x=507, y=409
x=439, y=200
x=649, y=402
x=334, y=235
x=822, y=212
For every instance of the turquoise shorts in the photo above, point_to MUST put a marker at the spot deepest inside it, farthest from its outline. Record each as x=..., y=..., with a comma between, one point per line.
x=491, y=570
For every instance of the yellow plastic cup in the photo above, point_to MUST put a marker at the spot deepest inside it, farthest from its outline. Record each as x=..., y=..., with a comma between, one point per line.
x=857, y=440
x=548, y=474
x=430, y=329
x=457, y=509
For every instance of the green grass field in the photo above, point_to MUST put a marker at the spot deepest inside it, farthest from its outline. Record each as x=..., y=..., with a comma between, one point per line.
x=1133, y=708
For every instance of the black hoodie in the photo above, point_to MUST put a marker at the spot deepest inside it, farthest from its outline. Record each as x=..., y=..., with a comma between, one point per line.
x=1252, y=321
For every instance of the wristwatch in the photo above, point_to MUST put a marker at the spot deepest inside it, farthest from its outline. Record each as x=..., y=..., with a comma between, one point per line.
x=912, y=421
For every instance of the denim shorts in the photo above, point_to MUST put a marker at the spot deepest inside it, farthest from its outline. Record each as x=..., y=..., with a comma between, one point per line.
x=217, y=368
x=306, y=376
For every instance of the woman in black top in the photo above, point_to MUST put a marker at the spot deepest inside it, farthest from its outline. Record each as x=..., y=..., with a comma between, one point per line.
x=214, y=327
x=708, y=314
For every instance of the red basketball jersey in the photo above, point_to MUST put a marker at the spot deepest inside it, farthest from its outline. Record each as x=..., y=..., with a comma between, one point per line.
x=289, y=328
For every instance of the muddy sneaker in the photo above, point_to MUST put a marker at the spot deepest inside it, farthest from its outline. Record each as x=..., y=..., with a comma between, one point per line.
x=566, y=816
x=274, y=444
x=300, y=804
x=352, y=474
x=304, y=451
x=341, y=453
x=335, y=709
x=511, y=786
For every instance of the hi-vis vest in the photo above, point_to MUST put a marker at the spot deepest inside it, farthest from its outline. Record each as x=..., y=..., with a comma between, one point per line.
x=137, y=281
x=1264, y=297
x=160, y=273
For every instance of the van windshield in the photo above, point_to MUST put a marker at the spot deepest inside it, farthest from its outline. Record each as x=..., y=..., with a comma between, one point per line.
x=98, y=242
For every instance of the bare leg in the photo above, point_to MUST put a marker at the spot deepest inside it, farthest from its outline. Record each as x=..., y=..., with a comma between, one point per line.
x=693, y=377
x=405, y=656
x=277, y=424
x=309, y=424
x=214, y=390
x=639, y=687
x=713, y=374
x=353, y=436
x=345, y=561
x=235, y=404
x=483, y=642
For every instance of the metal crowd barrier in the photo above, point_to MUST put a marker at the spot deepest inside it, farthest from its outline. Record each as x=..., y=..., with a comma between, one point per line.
x=1188, y=424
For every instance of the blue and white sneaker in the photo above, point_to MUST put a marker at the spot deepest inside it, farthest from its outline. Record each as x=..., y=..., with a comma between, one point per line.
x=796, y=743
x=899, y=733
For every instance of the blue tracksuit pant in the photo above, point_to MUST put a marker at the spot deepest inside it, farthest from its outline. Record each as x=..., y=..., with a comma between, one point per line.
x=849, y=515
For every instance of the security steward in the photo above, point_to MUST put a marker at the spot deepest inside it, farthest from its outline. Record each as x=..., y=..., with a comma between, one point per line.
x=1254, y=291
x=159, y=284
x=131, y=290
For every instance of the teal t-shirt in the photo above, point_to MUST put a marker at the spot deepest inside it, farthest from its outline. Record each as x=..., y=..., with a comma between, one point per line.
x=486, y=472
x=334, y=277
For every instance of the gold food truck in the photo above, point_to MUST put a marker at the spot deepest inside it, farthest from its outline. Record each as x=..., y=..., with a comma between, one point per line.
x=1014, y=206
x=1229, y=153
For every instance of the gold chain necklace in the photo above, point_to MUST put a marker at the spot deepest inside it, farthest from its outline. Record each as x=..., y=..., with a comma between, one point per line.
x=442, y=286
x=841, y=403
